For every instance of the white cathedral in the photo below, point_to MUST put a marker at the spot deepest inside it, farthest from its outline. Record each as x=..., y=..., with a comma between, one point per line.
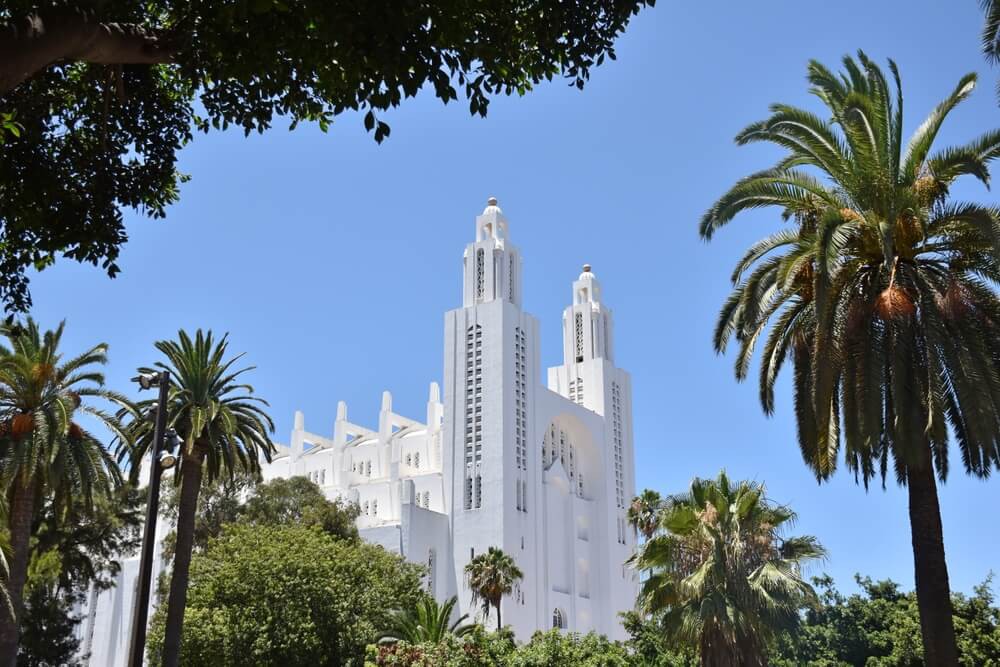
x=542, y=470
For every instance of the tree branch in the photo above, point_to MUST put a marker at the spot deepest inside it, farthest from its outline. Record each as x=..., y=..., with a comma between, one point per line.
x=41, y=39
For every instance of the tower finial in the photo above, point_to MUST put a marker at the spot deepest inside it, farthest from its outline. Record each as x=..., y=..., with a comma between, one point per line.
x=586, y=268
x=492, y=201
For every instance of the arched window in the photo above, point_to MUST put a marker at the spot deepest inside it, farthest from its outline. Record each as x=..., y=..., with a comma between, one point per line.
x=557, y=618
x=427, y=499
x=365, y=507
x=375, y=507
x=409, y=459
x=416, y=460
x=368, y=468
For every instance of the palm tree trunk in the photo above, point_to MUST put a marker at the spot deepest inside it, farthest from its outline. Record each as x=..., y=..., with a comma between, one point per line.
x=191, y=470
x=22, y=513
x=930, y=568
x=499, y=624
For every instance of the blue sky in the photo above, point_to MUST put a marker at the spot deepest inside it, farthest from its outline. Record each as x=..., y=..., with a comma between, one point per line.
x=331, y=260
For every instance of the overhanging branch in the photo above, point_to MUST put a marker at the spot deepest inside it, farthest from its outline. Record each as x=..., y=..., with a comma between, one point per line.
x=39, y=40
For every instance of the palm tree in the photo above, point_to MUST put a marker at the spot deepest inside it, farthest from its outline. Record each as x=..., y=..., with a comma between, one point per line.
x=427, y=623
x=491, y=576
x=42, y=447
x=222, y=427
x=643, y=512
x=882, y=293
x=723, y=578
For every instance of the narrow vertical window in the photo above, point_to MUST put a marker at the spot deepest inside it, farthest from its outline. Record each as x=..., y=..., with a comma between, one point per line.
x=510, y=279
x=431, y=562
x=578, y=325
x=480, y=272
x=607, y=342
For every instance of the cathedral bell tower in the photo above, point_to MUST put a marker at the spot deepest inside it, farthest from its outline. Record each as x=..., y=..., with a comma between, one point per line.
x=589, y=377
x=491, y=366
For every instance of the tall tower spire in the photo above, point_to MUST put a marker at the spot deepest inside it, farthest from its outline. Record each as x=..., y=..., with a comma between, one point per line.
x=587, y=323
x=492, y=263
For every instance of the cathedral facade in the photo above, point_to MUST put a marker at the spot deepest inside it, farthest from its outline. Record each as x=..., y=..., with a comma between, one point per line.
x=541, y=467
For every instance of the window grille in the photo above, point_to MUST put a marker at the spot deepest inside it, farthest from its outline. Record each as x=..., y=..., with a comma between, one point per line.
x=480, y=272
x=578, y=320
x=510, y=279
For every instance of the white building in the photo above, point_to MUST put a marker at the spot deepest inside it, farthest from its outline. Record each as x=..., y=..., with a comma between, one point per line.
x=543, y=469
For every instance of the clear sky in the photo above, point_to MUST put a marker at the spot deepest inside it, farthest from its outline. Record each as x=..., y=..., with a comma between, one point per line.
x=331, y=260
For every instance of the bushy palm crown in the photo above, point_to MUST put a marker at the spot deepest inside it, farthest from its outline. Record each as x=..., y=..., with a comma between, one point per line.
x=428, y=622
x=213, y=412
x=721, y=574
x=643, y=512
x=491, y=576
x=880, y=291
x=41, y=395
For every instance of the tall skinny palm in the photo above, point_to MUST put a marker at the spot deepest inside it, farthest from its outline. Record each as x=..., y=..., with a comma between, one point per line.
x=428, y=623
x=42, y=447
x=721, y=574
x=882, y=294
x=491, y=576
x=223, y=428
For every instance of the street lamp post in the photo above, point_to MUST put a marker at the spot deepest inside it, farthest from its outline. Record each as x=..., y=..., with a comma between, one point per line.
x=140, y=612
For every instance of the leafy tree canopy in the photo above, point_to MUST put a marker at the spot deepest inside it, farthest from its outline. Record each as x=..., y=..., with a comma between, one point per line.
x=651, y=647
x=88, y=543
x=558, y=649
x=49, y=619
x=287, y=595
x=880, y=626
x=243, y=499
x=498, y=649
x=97, y=98
x=298, y=500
